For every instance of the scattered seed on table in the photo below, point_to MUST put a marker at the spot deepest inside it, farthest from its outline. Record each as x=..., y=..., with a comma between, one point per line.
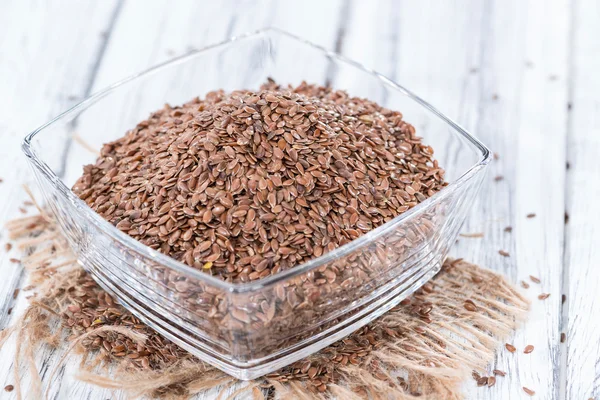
x=22, y=210
x=475, y=375
x=9, y=388
x=566, y=217
x=528, y=349
x=9, y=311
x=534, y=279
x=504, y=253
x=16, y=293
x=525, y=285
x=471, y=235
x=499, y=178
x=531, y=215
x=483, y=381
x=528, y=391
x=544, y=296
x=496, y=156
x=7, y=247
x=563, y=298
x=563, y=337
x=14, y=260
x=508, y=229
x=499, y=372
x=510, y=347
x=491, y=381
x=494, y=96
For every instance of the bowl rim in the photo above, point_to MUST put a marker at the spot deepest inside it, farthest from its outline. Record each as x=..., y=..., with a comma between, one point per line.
x=166, y=261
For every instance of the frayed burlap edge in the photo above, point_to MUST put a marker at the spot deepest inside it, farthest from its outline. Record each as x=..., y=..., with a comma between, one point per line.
x=409, y=352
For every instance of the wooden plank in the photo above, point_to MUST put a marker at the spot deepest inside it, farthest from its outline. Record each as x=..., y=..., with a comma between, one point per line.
x=521, y=54
x=459, y=58
x=582, y=257
x=48, y=56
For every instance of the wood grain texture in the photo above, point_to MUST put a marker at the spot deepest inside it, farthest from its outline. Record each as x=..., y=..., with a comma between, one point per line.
x=460, y=60
x=48, y=53
x=505, y=70
x=582, y=279
x=521, y=53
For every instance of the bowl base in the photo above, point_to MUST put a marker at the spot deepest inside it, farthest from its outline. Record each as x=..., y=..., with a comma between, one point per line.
x=388, y=296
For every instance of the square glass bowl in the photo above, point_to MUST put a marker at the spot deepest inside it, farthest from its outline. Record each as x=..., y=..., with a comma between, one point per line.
x=251, y=329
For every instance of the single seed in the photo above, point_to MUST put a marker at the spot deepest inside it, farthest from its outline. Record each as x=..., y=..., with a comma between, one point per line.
x=525, y=284
x=504, y=253
x=498, y=178
x=534, y=279
x=491, y=381
x=499, y=372
x=543, y=296
x=510, y=347
x=528, y=349
x=470, y=306
x=9, y=388
x=240, y=315
x=508, y=229
x=563, y=298
x=531, y=215
x=528, y=391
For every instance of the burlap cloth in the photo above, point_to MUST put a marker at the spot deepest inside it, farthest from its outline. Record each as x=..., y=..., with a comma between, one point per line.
x=425, y=348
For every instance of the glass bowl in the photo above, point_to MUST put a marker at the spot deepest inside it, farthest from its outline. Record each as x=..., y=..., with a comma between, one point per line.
x=251, y=329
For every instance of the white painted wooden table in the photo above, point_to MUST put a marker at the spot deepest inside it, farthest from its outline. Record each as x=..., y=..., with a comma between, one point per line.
x=522, y=76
